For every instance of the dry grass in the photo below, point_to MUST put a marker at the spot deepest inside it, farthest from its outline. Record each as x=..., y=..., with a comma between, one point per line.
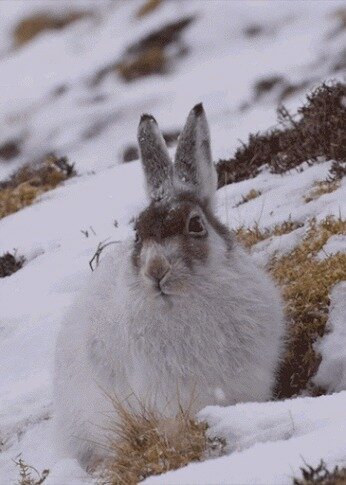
x=148, y=7
x=28, y=475
x=151, y=61
x=147, y=444
x=320, y=188
x=252, y=194
x=316, y=132
x=306, y=283
x=320, y=475
x=10, y=263
x=31, y=26
x=29, y=182
x=253, y=235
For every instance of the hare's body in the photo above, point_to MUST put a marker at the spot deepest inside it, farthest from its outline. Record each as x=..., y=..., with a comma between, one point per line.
x=180, y=315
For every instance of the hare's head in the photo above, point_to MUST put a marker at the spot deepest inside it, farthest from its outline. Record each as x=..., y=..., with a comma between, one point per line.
x=178, y=238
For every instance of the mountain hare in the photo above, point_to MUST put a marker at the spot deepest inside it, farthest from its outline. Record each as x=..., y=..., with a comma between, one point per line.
x=181, y=310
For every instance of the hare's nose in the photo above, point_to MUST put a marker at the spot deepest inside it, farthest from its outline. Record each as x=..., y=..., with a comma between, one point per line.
x=157, y=268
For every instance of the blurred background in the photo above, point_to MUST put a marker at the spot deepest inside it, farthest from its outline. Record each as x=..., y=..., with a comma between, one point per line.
x=75, y=76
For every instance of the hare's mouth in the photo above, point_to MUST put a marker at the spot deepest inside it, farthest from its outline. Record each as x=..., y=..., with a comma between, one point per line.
x=161, y=290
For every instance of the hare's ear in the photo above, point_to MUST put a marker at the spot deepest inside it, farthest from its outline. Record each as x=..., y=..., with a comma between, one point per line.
x=194, y=168
x=158, y=168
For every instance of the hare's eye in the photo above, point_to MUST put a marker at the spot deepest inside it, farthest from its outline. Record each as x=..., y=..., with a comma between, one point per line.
x=137, y=238
x=196, y=226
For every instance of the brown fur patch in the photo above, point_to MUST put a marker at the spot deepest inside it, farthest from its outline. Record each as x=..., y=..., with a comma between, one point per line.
x=161, y=221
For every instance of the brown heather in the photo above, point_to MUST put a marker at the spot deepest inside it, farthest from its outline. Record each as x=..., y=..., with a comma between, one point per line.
x=316, y=132
x=29, y=182
x=9, y=264
x=320, y=475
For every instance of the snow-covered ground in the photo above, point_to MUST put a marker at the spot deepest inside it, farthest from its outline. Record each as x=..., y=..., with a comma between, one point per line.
x=92, y=124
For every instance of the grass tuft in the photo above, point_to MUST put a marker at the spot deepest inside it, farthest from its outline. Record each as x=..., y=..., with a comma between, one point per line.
x=10, y=263
x=253, y=235
x=26, y=472
x=316, y=132
x=28, y=183
x=320, y=475
x=146, y=443
x=252, y=194
x=320, y=188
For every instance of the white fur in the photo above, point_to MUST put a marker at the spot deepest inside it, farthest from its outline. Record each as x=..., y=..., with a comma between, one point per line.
x=214, y=336
x=224, y=332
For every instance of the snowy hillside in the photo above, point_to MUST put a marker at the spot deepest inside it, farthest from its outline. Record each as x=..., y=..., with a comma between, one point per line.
x=78, y=91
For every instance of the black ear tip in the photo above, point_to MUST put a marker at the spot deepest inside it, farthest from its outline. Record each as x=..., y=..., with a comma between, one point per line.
x=198, y=109
x=146, y=117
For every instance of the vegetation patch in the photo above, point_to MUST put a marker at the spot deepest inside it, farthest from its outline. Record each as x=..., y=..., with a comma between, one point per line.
x=28, y=475
x=306, y=284
x=252, y=194
x=320, y=188
x=25, y=185
x=151, y=61
x=148, y=7
x=316, y=132
x=320, y=475
x=10, y=263
x=149, y=55
x=149, y=444
x=253, y=235
x=28, y=28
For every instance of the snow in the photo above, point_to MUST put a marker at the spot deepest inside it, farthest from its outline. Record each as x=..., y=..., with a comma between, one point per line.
x=92, y=124
x=335, y=244
x=332, y=371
